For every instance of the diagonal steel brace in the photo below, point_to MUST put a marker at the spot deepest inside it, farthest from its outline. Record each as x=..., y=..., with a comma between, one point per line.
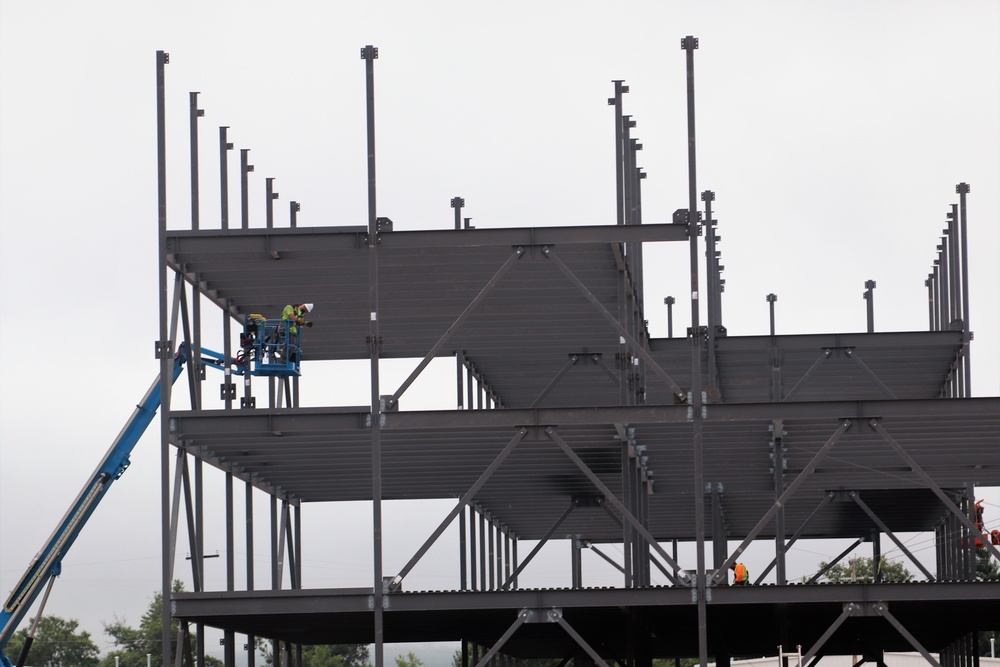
x=836, y=560
x=885, y=529
x=720, y=573
x=883, y=610
x=910, y=461
x=556, y=616
x=788, y=545
x=573, y=358
x=463, y=501
x=853, y=355
x=636, y=345
x=541, y=543
x=848, y=611
x=610, y=497
x=524, y=616
x=823, y=357
x=517, y=254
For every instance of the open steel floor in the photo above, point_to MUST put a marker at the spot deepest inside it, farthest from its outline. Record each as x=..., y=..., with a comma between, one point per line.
x=533, y=311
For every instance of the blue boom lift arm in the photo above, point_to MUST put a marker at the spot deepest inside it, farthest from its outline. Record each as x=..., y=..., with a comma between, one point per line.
x=48, y=562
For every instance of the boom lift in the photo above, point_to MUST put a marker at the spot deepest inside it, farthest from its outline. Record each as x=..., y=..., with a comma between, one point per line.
x=47, y=563
x=268, y=348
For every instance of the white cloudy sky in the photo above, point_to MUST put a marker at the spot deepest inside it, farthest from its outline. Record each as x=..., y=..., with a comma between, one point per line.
x=833, y=134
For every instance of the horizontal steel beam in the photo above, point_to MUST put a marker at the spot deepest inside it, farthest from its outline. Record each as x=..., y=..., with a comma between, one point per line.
x=302, y=420
x=318, y=240
x=283, y=602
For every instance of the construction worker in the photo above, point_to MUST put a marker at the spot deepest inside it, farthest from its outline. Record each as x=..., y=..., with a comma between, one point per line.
x=296, y=314
x=741, y=576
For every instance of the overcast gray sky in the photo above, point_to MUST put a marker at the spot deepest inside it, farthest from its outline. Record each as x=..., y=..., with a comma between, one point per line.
x=833, y=134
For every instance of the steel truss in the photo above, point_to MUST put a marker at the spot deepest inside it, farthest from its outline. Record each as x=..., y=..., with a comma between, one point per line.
x=672, y=410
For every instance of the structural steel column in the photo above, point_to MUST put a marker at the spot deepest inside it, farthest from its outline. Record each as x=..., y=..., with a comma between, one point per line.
x=689, y=44
x=163, y=351
x=369, y=53
x=963, y=189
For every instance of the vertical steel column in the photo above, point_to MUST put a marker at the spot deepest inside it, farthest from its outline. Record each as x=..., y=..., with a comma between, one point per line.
x=506, y=555
x=499, y=556
x=293, y=208
x=459, y=389
x=275, y=582
x=869, y=296
x=195, y=112
x=627, y=165
x=929, y=284
x=712, y=287
x=669, y=302
x=689, y=44
x=457, y=203
x=935, y=272
x=876, y=537
x=228, y=386
x=626, y=526
x=224, y=147
x=271, y=196
x=616, y=101
x=490, y=554
x=163, y=350
x=970, y=544
x=779, y=490
x=462, y=553
x=771, y=298
x=952, y=232
x=369, y=54
x=473, y=579
x=945, y=283
x=513, y=561
x=196, y=369
x=199, y=512
x=245, y=168
x=576, y=562
x=963, y=189
x=251, y=650
x=229, y=639
x=719, y=541
x=483, y=581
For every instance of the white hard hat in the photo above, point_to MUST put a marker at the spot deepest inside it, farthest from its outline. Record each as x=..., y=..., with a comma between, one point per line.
x=308, y=306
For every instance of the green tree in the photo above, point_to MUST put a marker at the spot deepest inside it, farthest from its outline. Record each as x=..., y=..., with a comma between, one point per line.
x=57, y=644
x=132, y=644
x=892, y=571
x=409, y=661
x=324, y=655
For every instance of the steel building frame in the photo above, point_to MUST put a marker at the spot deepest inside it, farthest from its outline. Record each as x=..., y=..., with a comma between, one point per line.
x=571, y=420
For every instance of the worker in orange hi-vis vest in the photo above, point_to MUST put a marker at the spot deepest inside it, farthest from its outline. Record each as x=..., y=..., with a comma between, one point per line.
x=741, y=576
